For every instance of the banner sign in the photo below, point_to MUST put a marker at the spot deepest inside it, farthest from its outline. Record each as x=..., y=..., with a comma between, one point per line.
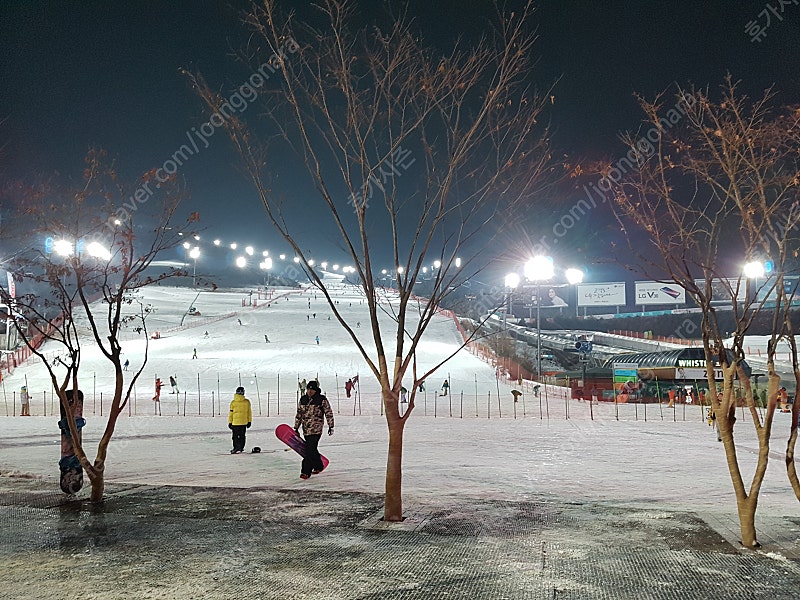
x=601, y=294
x=723, y=289
x=654, y=292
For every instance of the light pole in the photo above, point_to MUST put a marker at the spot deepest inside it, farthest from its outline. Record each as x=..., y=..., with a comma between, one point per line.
x=194, y=254
x=538, y=269
x=574, y=277
x=512, y=281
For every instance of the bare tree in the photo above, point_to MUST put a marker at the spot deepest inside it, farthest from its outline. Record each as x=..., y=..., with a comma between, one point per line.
x=84, y=290
x=423, y=152
x=719, y=188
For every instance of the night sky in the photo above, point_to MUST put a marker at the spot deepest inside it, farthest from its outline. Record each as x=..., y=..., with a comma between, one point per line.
x=106, y=74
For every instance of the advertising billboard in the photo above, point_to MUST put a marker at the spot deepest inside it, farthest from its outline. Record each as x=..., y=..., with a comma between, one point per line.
x=655, y=292
x=601, y=294
x=723, y=289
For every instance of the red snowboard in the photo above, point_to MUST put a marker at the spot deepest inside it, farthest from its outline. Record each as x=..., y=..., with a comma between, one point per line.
x=287, y=435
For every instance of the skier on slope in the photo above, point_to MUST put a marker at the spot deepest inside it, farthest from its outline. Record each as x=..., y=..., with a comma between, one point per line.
x=312, y=410
x=174, y=385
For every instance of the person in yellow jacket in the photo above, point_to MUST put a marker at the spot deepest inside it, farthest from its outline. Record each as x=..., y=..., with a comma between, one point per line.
x=240, y=418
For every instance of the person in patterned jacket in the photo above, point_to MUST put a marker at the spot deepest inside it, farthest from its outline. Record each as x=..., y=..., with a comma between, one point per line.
x=312, y=408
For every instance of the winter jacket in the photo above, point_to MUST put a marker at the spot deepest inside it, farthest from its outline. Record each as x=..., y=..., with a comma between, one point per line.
x=310, y=413
x=240, y=413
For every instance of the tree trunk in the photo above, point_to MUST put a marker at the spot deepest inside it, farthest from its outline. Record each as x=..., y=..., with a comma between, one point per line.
x=747, y=521
x=98, y=486
x=393, y=503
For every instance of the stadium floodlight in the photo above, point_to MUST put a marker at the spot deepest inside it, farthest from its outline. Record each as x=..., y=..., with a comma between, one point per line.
x=217, y=242
x=97, y=250
x=63, y=247
x=754, y=270
x=241, y=262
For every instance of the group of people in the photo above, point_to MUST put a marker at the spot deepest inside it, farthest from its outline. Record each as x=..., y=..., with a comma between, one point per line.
x=313, y=409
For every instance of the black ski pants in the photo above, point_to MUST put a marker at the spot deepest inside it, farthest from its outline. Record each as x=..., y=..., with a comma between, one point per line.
x=239, y=432
x=312, y=461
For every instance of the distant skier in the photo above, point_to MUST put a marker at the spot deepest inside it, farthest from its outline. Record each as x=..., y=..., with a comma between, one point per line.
x=421, y=387
x=126, y=365
x=445, y=388
x=317, y=339
x=403, y=395
x=174, y=385
x=240, y=417
x=266, y=338
x=25, y=401
x=157, y=397
x=358, y=324
x=302, y=385
x=240, y=321
x=194, y=354
x=516, y=394
x=348, y=387
x=205, y=335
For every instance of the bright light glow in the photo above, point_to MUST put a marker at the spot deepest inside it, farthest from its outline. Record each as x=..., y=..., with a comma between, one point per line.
x=249, y=250
x=96, y=250
x=195, y=252
x=383, y=271
x=324, y=265
x=217, y=242
x=512, y=280
x=574, y=276
x=311, y=263
x=196, y=237
x=117, y=222
x=63, y=247
x=265, y=253
x=458, y=263
x=335, y=267
x=241, y=262
x=437, y=264
x=282, y=257
x=539, y=268
x=296, y=259
x=266, y=264
x=187, y=245
x=400, y=270
x=233, y=246
x=754, y=269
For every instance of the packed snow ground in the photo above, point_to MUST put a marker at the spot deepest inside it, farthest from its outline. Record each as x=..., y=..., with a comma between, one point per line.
x=541, y=445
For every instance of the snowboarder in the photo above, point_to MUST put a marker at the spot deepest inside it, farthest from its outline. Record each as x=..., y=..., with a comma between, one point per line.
x=240, y=321
x=157, y=397
x=266, y=338
x=317, y=339
x=194, y=354
x=445, y=388
x=174, y=385
x=312, y=410
x=126, y=365
x=25, y=401
x=516, y=394
x=240, y=417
